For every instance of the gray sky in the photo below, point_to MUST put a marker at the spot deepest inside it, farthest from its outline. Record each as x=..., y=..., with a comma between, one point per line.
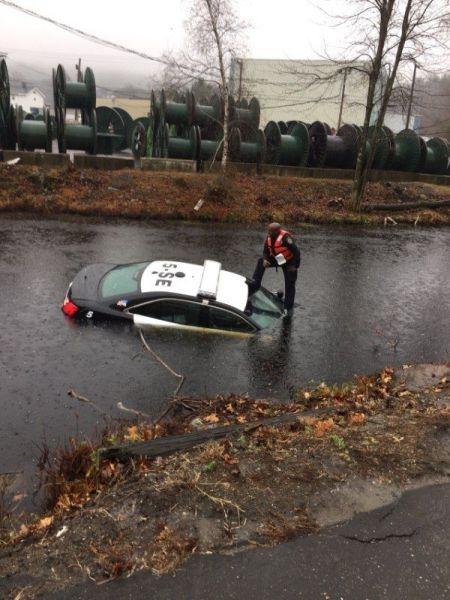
x=283, y=29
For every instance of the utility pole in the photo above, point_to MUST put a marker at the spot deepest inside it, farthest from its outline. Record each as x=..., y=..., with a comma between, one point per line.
x=241, y=66
x=411, y=94
x=80, y=80
x=342, y=99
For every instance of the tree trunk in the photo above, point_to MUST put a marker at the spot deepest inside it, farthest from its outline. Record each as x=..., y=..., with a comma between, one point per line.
x=177, y=443
x=224, y=86
x=226, y=119
x=364, y=162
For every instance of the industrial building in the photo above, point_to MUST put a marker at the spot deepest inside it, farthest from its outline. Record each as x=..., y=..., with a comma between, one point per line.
x=302, y=90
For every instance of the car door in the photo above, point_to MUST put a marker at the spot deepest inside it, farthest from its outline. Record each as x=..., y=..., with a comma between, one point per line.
x=226, y=320
x=169, y=312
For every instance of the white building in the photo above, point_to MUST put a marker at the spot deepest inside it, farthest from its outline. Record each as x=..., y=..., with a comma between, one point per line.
x=302, y=90
x=32, y=101
x=397, y=121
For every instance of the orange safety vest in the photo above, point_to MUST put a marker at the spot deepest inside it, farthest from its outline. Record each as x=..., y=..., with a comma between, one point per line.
x=276, y=247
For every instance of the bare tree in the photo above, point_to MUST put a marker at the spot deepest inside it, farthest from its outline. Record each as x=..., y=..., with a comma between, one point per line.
x=394, y=33
x=215, y=34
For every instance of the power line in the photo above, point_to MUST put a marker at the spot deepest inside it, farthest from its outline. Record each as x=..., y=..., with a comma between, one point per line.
x=84, y=34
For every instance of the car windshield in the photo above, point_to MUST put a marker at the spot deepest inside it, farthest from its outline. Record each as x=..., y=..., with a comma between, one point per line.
x=122, y=280
x=264, y=308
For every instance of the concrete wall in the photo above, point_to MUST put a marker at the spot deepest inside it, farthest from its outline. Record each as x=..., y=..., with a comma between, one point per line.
x=168, y=164
x=105, y=163
x=38, y=158
x=291, y=90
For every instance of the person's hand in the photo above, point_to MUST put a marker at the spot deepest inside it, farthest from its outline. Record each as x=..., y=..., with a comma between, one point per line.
x=266, y=264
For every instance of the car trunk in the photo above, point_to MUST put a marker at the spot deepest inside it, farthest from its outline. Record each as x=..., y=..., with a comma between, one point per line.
x=85, y=284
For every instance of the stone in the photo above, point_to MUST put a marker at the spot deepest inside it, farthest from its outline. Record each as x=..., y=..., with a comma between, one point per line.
x=210, y=533
x=250, y=468
x=420, y=377
x=344, y=501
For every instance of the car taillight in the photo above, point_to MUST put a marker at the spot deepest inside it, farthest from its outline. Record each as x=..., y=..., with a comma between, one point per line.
x=69, y=308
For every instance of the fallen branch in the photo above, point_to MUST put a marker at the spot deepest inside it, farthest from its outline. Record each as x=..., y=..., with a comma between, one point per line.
x=406, y=205
x=182, y=378
x=73, y=394
x=133, y=411
x=176, y=443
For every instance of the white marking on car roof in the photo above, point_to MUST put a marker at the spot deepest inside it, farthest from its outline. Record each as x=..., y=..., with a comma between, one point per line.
x=179, y=278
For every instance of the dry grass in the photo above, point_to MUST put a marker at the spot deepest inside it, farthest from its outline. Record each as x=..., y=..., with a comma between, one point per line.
x=234, y=199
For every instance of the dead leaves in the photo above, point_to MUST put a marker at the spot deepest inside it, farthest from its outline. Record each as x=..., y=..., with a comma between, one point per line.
x=213, y=418
x=323, y=427
x=35, y=529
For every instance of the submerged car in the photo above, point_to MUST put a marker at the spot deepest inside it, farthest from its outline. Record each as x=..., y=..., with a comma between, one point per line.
x=172, y=294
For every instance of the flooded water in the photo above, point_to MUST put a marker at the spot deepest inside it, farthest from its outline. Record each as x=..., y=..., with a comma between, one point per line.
x=365, y=299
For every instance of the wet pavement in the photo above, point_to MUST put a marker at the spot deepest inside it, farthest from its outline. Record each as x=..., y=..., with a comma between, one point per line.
x=398, y=551
x=366, y=298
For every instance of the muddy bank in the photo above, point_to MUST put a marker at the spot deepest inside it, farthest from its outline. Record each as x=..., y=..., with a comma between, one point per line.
x=234, y=199
x=374, y=438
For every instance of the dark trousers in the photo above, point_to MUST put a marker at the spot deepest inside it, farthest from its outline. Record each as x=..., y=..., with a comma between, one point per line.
x=290, y=277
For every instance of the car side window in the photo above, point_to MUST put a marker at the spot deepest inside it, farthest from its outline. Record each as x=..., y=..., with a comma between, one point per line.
x=228, y=321
x=174, y=311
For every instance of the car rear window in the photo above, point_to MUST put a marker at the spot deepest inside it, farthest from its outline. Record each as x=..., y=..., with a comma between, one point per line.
x=122, y=280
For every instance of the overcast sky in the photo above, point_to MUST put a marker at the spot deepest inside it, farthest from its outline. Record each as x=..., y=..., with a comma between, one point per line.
x=282, y=29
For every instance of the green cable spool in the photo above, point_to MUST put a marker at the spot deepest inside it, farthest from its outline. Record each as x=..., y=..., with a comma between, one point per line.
x=34, y=135
x=436, y=156
x=111, y=130
x=283, y=127
x=139, y=140
x=5, y=98
x=155, y=120
x=77, y=137
x=333, y=151
x=407, y=151
x=250, y=116
x=182, y=148
x=247, y=152
x=383, y=147
x=128, y=122
x=74, y=94
x=145, y=121
x=204, y=115
x=287, y=149
x=210, y=149
x=173, y=113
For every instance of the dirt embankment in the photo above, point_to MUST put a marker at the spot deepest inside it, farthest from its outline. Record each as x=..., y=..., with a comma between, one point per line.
x=370, y=440
x=234, y=199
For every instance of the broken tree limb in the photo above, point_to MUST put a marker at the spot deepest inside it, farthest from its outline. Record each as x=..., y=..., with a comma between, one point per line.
x=176, y=443
x=406, y=205
x=73, y=394
x=182, y=378
x=133, y=411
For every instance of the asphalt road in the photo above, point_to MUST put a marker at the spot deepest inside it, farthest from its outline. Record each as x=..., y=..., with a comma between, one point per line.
x=397, y=552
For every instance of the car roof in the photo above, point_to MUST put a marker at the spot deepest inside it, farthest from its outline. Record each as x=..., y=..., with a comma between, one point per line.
x=207, y=281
